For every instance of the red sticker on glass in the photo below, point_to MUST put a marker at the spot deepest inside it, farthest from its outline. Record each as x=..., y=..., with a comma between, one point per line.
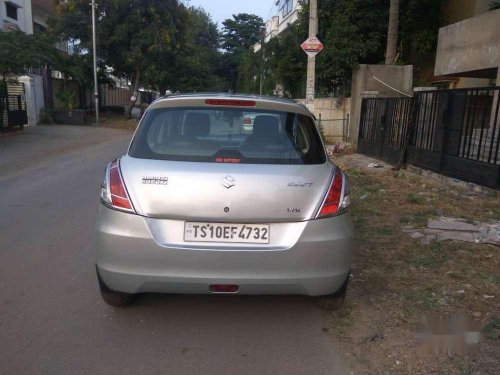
x=227, y=160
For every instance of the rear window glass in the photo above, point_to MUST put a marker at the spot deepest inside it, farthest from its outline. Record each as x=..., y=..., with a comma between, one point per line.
x=227, y=135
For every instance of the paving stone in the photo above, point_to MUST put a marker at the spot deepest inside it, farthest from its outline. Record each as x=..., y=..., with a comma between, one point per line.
x=491, y=234
x=432, y=231
x=416, y=235
x=456, y=236
x=445, y=223
x=407, y=227
x=428, y=239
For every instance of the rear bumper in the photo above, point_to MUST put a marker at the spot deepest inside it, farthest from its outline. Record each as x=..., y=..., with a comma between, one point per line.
x=130, y=259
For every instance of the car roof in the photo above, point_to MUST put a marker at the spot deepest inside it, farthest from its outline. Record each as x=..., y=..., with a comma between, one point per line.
x=262, y=101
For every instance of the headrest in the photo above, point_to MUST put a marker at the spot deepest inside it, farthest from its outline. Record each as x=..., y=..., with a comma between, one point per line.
x=197, y=125
x=265, y=126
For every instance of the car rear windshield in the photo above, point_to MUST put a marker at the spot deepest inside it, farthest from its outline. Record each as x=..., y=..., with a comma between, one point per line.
x=228, y=135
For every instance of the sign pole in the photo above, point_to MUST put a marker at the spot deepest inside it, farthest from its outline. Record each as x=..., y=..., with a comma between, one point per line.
x=311, y=60
x=96, y=87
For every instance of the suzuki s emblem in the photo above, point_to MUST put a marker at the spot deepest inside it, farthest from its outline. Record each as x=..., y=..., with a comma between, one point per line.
x=228, y=182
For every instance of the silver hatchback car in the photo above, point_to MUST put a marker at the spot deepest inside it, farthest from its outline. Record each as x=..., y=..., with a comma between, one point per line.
x=198, y=205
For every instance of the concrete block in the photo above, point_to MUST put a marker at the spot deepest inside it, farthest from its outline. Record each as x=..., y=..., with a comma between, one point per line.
x=456, y=236
x=445, y=223
x=416, y=235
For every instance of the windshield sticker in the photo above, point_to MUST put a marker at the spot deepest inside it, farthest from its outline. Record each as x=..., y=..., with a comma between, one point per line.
x=227, y=160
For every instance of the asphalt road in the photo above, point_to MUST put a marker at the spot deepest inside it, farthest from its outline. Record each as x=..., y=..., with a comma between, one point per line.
x=52, y=320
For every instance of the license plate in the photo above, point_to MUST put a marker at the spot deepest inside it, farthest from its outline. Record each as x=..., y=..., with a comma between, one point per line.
x=226, y=232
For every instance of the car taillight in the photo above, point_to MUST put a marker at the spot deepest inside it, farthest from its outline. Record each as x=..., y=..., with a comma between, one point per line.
x=337, y=199
x=231, y=102
x=114, y=193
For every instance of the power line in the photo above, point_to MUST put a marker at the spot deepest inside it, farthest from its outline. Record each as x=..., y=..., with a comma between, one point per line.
x=275, y=2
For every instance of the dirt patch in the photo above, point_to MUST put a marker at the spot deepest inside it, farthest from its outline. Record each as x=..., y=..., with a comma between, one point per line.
x=117, y=121
x=396, y=279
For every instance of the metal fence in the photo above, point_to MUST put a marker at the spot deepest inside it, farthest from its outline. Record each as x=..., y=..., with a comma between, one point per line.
x=13, y=111
x=455, y=132
x=335, y=130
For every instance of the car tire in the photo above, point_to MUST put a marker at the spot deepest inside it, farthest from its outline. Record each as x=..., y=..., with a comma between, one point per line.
x=112, y=298
x=334, y=301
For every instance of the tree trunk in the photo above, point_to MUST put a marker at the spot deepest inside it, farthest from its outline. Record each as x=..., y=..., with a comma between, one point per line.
x=3, y=94
x=392, y=33
x=133, y=92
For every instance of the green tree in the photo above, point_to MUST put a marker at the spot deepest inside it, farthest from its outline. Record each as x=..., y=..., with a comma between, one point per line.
x=156, y=44
x=238, y=35
x=241, y=32
x=495, y=5
x=419, y=29
x=20, y=52
x=133, y=35
x=249, y=72
x=197, y=60
x=353, y=32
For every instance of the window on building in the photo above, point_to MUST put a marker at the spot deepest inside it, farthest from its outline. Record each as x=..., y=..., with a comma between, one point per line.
x=37, y=28
x=11, y=10
x=286, y=7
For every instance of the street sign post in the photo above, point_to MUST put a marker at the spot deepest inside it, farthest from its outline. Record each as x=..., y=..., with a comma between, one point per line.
x=312, y=46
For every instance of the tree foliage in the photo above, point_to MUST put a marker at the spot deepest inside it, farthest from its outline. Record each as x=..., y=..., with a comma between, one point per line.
x=197, y=60
x=156, y=44
x=20, y=52
x=353, y=32
x=238, y=35
x=495, y=5
x=241, y=32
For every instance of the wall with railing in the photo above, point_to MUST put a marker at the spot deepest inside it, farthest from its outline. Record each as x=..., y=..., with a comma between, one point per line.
x=454, y=132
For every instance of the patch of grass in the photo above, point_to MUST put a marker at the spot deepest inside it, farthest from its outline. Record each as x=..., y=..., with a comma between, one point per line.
x=342, y=320
x=492, y=329
x=427, y=300
x=373, y=188
x=417, y=217
x=386, y=231
x=405, y=220
x=430, y=256
x=398, y=280
x=414, y=198
x=495, y=279
x=359, y=220
x=354, y=172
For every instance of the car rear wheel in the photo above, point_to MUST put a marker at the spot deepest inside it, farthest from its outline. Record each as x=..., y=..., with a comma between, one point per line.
x=335, y=300
x=112, y=298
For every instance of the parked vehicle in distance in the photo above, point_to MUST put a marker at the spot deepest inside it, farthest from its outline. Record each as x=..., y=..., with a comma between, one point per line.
x=197, y=205
x=248, y=119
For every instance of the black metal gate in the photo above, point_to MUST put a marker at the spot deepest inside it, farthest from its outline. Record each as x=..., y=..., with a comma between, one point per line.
x=454, y=132
x=13, y=111
x=384, y=127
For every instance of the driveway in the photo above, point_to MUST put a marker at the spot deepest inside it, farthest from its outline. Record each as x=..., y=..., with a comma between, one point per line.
x=52, y=320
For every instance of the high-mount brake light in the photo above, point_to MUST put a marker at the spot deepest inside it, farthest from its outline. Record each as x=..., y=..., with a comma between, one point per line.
x=337, y=199
x=231, y=102
x=114, y=191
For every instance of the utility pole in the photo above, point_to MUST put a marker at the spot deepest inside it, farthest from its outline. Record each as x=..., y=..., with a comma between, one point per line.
x=262, y=41
x=311, y=61
x=96, y=87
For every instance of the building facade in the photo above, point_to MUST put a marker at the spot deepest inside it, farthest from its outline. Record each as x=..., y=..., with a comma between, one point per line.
x=287, y=13
x=30, y=16
x=470, y=50
x=461, y=37
x=16, y=15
